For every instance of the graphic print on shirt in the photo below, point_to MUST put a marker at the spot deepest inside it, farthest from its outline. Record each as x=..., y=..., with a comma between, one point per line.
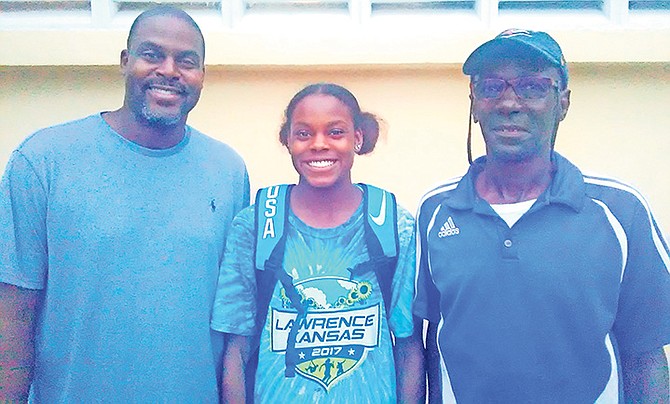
x=340, y=327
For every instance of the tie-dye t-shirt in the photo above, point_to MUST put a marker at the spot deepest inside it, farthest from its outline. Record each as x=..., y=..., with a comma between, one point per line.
x=344, y=345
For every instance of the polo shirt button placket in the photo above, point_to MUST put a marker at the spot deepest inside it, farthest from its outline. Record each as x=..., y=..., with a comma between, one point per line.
x=509, y=250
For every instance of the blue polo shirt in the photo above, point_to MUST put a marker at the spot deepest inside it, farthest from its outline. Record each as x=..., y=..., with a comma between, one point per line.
x=540, y=311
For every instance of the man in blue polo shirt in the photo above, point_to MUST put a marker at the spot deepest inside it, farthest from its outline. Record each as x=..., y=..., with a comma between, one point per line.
x=541, y=284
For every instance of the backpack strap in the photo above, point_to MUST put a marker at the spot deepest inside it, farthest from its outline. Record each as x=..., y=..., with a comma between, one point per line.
x=381, y=238
x=272, y=210
x=291, y=355
x=381, y=218
x=271, y=219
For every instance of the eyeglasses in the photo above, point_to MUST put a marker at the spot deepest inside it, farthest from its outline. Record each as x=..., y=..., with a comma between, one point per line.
x=527, y=87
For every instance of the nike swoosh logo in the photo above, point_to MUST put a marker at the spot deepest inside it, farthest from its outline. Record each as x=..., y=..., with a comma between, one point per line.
x=381, y=217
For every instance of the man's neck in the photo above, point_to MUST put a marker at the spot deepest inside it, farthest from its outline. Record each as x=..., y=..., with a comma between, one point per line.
x=152, y=137
x=512, y=182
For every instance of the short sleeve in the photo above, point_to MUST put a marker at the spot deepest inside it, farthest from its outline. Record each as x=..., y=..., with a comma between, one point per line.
x=23, y=250
x=246, y=191
x=643, y=318
x=234, y=308
x=400, y=320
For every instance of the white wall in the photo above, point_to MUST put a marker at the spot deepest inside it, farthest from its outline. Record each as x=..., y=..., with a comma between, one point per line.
x=617, y=125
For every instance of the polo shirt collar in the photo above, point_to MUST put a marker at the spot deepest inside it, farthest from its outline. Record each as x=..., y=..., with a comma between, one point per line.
x=567, y=188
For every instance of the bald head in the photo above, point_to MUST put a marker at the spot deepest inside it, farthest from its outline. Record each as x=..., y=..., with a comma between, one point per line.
x=168, y=11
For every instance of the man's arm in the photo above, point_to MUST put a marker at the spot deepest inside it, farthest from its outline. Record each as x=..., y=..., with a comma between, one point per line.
x=645, y=377
x=235, y=359
x=409, y=367
x=18, y=310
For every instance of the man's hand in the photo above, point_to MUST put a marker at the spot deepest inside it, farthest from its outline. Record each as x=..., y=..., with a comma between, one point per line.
x=18, y=310
x=409, y=367
x=645, y=377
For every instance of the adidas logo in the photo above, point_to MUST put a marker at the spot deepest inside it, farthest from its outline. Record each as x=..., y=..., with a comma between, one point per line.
x=448, y=229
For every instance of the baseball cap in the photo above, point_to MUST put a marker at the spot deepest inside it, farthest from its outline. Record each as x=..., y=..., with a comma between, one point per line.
x=537, y=42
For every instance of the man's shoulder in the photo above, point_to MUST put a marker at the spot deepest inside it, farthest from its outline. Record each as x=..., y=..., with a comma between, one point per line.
x=438, y=193
x=214, y=147
x=620, y=199
x=60, y=135
x=443, y=188
x=199, y=136
x=612, y=191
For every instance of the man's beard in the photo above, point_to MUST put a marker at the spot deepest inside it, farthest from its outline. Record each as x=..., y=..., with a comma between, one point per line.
x=157, y=118
x=160, y=120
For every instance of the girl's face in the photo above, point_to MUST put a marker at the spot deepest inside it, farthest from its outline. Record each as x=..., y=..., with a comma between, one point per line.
x=321, y=141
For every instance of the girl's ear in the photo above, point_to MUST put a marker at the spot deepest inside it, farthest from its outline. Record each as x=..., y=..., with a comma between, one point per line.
x=358, y=140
